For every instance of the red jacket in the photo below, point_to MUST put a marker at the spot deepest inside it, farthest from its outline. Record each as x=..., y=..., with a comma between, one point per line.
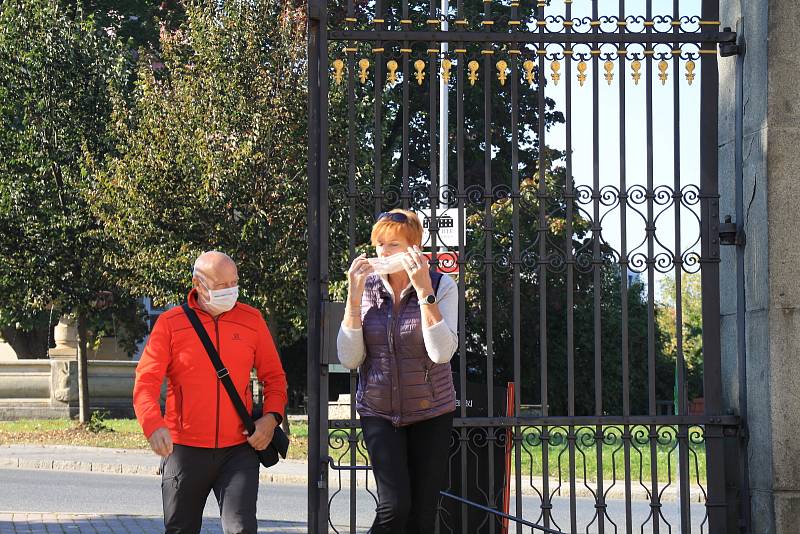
x=199, y=412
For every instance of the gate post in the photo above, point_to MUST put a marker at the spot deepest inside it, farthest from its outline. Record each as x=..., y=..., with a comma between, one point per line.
x=718, y=504
x=317, y=489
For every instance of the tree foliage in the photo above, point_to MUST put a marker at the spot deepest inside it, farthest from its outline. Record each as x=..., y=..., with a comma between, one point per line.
x=210, y=154
x=58, y=77
x=691, y=322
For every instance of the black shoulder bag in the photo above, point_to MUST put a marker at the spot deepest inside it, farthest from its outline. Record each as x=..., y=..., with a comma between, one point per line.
x=280, y=442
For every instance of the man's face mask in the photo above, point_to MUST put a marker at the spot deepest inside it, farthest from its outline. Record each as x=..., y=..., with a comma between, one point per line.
x=221, y=300
x=392, y=264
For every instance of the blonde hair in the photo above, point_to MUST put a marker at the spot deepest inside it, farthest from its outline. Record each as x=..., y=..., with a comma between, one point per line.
x=410, y=229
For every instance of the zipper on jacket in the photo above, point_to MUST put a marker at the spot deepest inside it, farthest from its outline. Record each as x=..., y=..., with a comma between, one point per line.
x=216, y=430
x=400, y=310
x=395, y=378
x=429, y=381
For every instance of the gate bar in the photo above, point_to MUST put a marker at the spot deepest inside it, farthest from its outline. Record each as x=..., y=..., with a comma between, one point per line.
x=581, y=420
x=527, y=37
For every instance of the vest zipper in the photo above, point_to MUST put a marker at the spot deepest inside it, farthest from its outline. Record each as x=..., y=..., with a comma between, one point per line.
x=429, y=381
x=392, y=353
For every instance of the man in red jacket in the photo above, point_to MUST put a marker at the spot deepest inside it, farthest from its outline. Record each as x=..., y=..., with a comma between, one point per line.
x=202, y=441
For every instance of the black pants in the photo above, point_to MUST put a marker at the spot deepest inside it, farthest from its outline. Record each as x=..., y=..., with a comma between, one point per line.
x=190, y=473
x=410, y=466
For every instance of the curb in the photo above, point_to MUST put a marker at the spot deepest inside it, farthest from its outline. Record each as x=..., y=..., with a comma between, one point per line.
x=124, y=469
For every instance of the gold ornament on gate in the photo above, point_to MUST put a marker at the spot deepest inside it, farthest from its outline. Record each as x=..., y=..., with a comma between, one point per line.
x=637, y=67
x=338, y=68
x=662, y=67
x=473, y=67
x=582, y=72
x=391, y=65
x=419, y=66
x=446, y=66
x=555, y=67
x=501, y=71
x=363, y=64
x=609, y=68
x=528, y=66
x=690, y=71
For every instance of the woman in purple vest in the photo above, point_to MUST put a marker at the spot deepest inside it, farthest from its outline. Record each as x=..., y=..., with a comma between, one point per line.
x=399, y=330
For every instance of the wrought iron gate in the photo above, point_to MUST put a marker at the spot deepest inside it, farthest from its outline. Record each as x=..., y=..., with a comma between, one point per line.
x=555, y=303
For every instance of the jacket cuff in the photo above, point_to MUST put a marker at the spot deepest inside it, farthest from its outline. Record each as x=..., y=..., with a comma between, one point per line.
x=275, y=406
x=151, y=426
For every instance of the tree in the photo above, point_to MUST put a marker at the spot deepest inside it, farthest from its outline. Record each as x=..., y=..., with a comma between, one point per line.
x=210, y=154
x=691, y=327
x=57, y=78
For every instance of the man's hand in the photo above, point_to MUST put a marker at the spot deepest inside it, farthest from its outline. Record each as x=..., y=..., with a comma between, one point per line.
x=265, y=427
x=161, y=442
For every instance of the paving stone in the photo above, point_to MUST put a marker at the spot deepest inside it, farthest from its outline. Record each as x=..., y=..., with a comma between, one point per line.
x=54, y=523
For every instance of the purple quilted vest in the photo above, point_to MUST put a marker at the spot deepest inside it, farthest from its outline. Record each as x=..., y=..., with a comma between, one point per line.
x=397, y=380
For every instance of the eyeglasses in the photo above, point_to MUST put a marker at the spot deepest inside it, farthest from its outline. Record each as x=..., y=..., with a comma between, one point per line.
x=394, y=217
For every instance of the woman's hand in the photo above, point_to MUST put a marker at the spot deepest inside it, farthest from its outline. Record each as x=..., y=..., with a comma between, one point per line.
x=357, y=275
x=416, y=265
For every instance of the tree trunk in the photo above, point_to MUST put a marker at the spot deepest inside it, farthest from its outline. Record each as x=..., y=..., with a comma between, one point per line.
x=83, y=370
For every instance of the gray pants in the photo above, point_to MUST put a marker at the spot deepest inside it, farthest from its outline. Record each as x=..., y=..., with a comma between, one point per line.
x=190, y=473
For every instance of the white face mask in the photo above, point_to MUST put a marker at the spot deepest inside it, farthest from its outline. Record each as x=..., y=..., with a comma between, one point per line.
x=221, y=300
x=392, y=264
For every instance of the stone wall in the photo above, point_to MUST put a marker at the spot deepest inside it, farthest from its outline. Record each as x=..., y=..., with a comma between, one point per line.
x=48, y=388
x=771, y=158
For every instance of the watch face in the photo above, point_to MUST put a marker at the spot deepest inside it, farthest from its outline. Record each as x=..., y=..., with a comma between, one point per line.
x=430, y=299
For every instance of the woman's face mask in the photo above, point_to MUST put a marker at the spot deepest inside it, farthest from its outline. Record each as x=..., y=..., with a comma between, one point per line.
x=388, y=265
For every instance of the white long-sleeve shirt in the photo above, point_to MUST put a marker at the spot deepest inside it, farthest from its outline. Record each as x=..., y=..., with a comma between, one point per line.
x=441, y=339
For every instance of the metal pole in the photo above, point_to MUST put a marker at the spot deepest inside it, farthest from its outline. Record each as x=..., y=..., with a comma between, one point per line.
x=316, y=493
x=444, y=115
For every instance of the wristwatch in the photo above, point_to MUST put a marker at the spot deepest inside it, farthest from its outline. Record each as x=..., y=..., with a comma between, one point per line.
x=277, y=417
x=428, y=300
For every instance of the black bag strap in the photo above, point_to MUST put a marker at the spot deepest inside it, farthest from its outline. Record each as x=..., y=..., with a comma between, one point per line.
x=222, y=372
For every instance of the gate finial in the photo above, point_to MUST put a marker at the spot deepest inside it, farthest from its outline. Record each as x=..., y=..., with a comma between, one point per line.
x=637, y=75
x=582, y=72
x=473, y=67
x=446, y=66
x=391, y=66
x=555, y=66
x=363, y=64
x=528, y=66
x=338, y=67
x=690, y=71
x=501, y=71
x=419, y=65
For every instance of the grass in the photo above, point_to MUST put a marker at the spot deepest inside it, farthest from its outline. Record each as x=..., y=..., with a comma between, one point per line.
x=125, y=433
x=586, y=457
x=114, y=433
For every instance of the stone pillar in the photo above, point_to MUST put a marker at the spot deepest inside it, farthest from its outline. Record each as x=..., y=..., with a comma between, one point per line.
x=64, y=365
x=771, y=152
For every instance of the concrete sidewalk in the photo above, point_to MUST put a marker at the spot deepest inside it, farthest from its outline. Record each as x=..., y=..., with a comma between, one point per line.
x=41, y=523
x=121, y=461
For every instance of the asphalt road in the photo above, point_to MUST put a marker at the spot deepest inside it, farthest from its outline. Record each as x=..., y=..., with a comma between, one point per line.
x=78, y=492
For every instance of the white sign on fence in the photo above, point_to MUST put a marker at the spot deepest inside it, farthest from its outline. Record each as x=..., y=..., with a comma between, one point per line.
x=448, y=222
